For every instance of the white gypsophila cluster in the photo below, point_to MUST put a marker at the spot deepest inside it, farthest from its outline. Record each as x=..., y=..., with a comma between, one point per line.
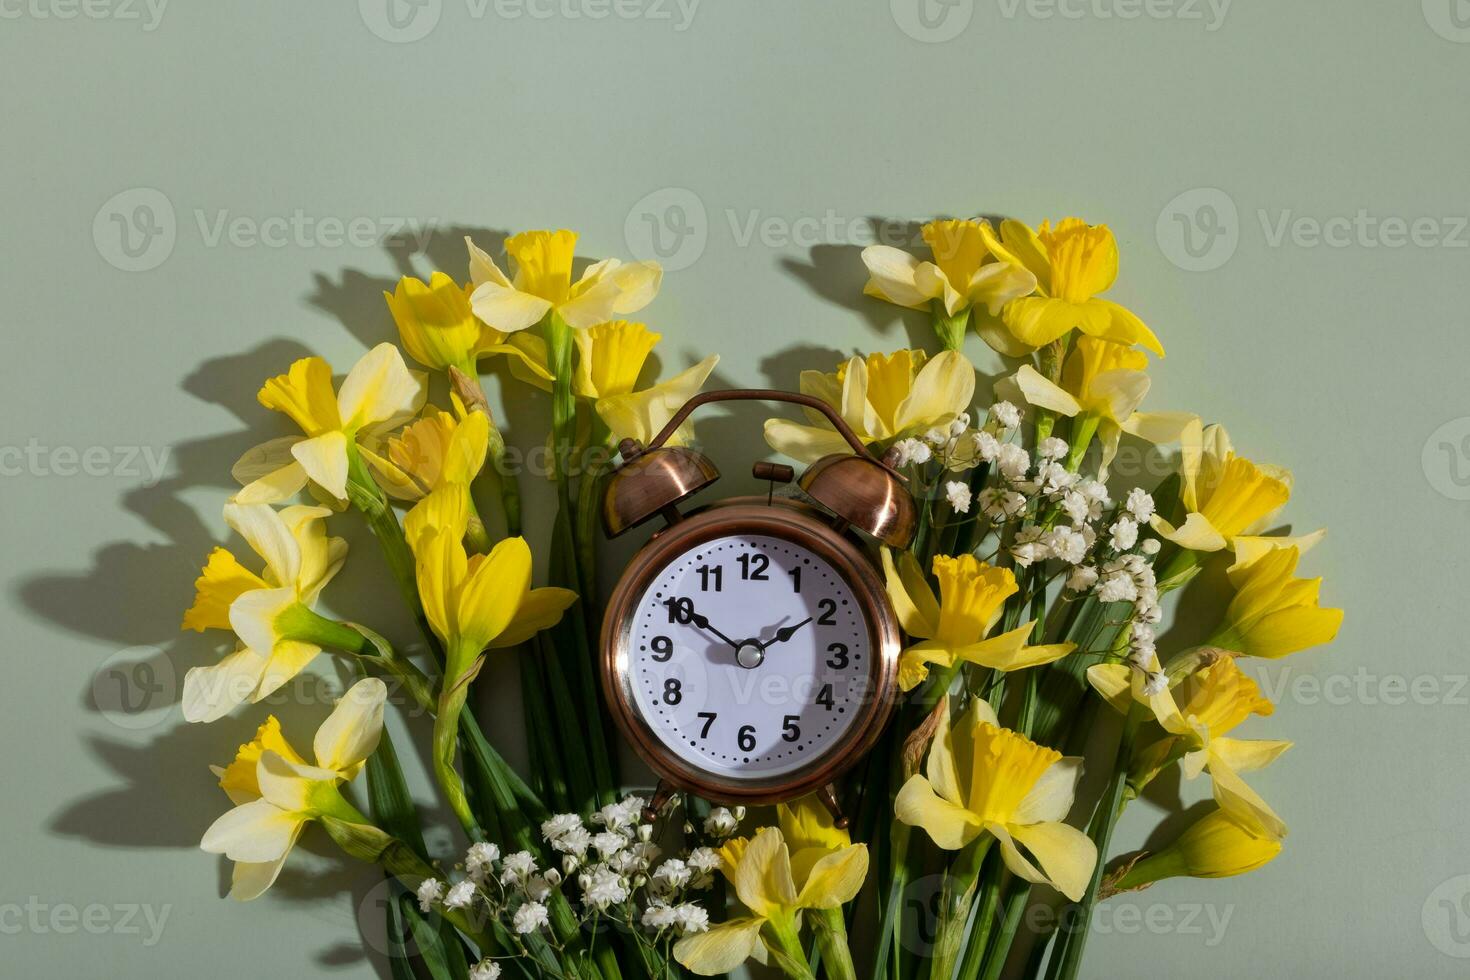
x=485, y=970
x=723, y=822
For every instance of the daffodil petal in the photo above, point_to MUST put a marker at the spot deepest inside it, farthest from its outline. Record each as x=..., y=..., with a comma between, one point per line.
x=951, y=827
x=1040, y=392
x=1195, y=534
x=507, y=309
x=891, y=274
x=943, y=388
x=351, y=732
x=289, y=658
x=913, y=600
x=1247, y=755
x=325, y=460
x=1067, y=856
x=721, y=948
x=251, y=879
x=804, y=443
x=1114, y=683
x=763, y=877
x=254, y=832
x=835, y=879
x=540, y=609
x=1052, y=796
x=379, y=388
x=268, y=536
x=213, y=691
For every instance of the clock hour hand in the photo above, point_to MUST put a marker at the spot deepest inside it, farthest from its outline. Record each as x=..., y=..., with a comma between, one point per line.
x=785, y=633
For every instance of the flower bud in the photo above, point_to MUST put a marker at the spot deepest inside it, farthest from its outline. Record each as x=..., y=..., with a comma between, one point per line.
x=1215, y=846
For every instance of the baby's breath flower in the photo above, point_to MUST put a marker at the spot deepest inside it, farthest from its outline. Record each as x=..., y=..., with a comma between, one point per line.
x=1000, y=505
x=704, y=859
x=517, y=867
x=485, y=970
x=1123, y=535
x=608, y=843
x=659, y=916
x=1066, y=544
x=1140, y=505
x=692, y=918
x=1051, y=448
x=958, y=495
x=987, y=446
x=460, y=896
x=1028, y=547
x=1008, y=415
x=1150, y=546
x=430, y=891
x=1156, y=683
x=479, y=860
x=1117, y=587
x=673, y=873
x=604, y=887
x=720, y=823
x=1014, y=462
x=573, y=842
x=560, y=825
x=538, y=887
x=1082, y=578
x=530, y=917
x=912, y=452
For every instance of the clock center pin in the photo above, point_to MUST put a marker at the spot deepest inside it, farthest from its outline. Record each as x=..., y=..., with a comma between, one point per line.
x=749, y=655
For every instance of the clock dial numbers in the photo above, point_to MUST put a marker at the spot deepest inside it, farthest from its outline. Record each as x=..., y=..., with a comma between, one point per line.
x=750, y=656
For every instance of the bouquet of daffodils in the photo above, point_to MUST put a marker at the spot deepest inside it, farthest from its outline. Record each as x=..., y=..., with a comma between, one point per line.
x=1030, y=596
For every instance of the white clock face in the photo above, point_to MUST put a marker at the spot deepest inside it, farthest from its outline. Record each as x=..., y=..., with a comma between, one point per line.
x=749, y=656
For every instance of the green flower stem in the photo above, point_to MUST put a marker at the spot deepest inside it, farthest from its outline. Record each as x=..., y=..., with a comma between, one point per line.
x=783, y=940
x=964, y=542
x=950, y=329
x=1084, y=428
x=956, y=898
x=831, y=934
x=1018, y=892
x=541, y=739
x=984, y=920
x=446, y=731
x=1101, y=831
x=589, y=506
x=578, y=772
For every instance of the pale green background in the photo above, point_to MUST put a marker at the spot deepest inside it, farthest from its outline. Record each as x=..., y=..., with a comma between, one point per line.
x=1342, y=362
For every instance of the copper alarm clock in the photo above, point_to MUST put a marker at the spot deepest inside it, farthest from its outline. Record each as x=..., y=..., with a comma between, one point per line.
x=750, y=652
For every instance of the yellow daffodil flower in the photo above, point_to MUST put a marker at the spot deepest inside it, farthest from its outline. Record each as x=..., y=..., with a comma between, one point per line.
x=543, y=282
x=1228, y=498
x=610, y=356
x=277, y=793
x=430, y=452
x=642, y=414
x=883, y=397
x=984, y=779
x=963, y=272
x=954, y=625
x=472, y=604
x=775, y=885
x=1274, y=613
x=440, y=331
x=1216, y=700
x=299, y=561
x=379, y=394
x=1072, y=263
x=1101, y=387
x=1215, y=846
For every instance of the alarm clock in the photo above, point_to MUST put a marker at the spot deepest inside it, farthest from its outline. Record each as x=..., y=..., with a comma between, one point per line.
x=750, y=652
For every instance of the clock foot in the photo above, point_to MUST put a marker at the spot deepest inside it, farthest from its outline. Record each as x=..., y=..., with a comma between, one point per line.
x=828, y=795
x=662, y=793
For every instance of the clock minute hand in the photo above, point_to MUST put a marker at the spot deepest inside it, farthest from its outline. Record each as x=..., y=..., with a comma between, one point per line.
x=785, y=633
x=704, y=624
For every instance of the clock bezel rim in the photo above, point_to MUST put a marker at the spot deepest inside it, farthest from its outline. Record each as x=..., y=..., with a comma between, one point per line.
x=802, y=525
